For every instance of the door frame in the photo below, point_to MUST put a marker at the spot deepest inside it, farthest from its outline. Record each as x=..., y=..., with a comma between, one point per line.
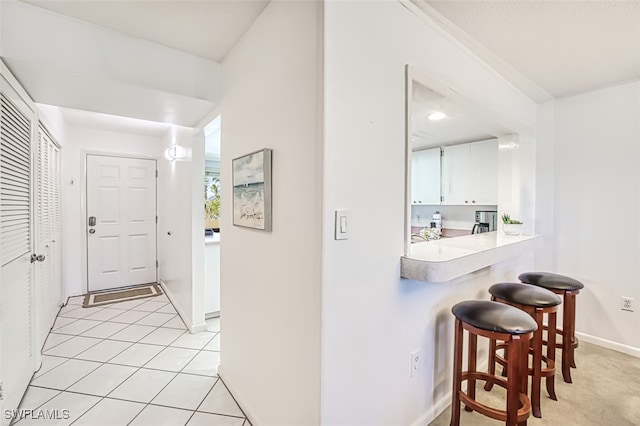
x=84, y=241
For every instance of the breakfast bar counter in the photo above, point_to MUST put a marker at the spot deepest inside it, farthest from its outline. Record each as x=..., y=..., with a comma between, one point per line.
x=449, y=258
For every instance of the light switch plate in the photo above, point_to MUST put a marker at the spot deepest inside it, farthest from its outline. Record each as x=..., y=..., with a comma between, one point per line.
x=342, y=224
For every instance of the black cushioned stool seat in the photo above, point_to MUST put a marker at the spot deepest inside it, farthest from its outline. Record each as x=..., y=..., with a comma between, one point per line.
x=496, y=321
x=568, y=288
x=537, y=302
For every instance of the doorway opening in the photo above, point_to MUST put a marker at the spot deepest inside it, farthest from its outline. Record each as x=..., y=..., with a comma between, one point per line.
x=212, y=227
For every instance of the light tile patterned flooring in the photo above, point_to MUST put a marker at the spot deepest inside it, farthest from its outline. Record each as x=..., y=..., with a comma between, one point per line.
x=130, y=363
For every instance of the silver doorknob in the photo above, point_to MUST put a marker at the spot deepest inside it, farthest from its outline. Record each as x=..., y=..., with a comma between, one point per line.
x=37, y=257
x=92, y=231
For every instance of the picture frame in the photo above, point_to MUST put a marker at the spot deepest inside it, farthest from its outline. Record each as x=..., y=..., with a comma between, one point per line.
x=252, y=190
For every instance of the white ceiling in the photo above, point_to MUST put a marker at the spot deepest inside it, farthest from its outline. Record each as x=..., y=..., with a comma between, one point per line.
x=128, y=58
x=206, y=28
x=546, y=48
x=155, y=60
x=549, y=48
x=462, y=123
x=97, y=121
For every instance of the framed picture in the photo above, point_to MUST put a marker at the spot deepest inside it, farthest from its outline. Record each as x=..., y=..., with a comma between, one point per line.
x=252, y=190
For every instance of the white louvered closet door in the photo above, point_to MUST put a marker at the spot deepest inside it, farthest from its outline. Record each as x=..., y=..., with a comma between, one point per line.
x=16, y=303
x=48, y=282
x=56, y=227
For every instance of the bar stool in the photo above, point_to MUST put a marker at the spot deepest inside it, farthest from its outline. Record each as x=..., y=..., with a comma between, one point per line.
x=568, y=288
x=537, y=302
x=494, y=321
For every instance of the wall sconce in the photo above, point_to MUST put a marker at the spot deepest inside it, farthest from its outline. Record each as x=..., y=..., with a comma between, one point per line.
x=177, y=153
x=510, y=145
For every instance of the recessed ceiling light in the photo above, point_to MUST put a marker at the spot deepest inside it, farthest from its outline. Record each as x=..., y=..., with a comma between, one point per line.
x=437, y=115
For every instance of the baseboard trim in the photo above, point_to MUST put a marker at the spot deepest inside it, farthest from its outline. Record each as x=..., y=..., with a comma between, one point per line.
x=197, y=328
x=445, y=400
x=434, y=412
x=438, y=408
x=619, y=347
x=236, y=395
x=178, y=308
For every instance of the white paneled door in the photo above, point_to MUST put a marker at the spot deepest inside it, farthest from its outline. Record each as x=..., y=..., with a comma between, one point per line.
x=17, y=352
x=121, y=222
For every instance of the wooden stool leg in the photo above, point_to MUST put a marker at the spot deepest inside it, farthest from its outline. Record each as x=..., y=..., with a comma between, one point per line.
x=471, y=367
x=536, y=378
x=551, y=354
x=568, y=330
x=514, y=380
x=492, y=363
x=573, y=331
x=524, y=371
x=457, y=374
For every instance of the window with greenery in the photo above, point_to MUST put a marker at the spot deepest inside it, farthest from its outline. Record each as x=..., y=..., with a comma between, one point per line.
x=211, y=196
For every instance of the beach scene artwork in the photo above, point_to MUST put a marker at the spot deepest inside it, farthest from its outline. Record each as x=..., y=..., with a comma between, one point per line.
x=252, y=190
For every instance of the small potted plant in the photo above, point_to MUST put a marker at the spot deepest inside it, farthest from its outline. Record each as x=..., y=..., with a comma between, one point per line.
x=511, y=226
x=431, y=233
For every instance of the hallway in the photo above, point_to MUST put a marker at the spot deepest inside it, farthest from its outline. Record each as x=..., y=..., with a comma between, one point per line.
x=130, y=363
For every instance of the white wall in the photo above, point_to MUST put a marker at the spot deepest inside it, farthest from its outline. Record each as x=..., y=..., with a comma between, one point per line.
x=176, y=188
x=270, y=281
x=595, y=191
x=372, y=319
x=545, y=178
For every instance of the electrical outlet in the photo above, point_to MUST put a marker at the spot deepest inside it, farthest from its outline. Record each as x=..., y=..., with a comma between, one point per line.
x=627, y=304
x=416, y=360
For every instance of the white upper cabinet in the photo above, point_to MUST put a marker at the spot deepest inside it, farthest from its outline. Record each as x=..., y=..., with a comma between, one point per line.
x=456, y=174
x=487, y=191
x=470, y=173
x=425, y=177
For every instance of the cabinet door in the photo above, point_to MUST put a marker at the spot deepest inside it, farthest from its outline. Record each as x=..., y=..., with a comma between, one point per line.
x=476, y=150
x=456, y=174
x=426, y=177
x=429, y=175
x=489, y=193
x=415, y=179
x=484, y=172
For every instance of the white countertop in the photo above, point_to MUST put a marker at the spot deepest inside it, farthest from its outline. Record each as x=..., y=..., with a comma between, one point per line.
x=448, y=258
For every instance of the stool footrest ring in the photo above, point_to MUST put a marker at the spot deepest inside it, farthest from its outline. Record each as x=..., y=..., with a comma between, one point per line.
x=494, y=413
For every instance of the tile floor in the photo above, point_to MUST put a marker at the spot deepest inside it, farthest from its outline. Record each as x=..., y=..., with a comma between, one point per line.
x=130, y=363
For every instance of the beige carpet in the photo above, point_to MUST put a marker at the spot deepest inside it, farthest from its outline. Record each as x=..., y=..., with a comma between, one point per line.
x=605, y=391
